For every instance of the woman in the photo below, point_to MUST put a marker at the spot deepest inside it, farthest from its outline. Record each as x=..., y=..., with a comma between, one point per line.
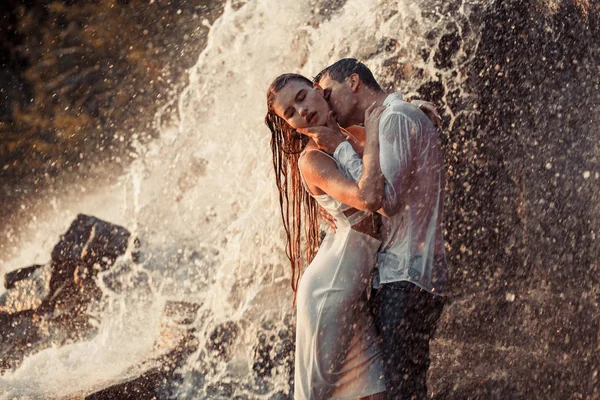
x=337, y=350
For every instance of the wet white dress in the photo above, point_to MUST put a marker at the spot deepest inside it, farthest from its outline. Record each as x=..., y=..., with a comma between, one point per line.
x=338, y=353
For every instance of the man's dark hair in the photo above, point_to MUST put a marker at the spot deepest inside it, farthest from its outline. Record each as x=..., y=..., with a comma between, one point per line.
x=345, y=67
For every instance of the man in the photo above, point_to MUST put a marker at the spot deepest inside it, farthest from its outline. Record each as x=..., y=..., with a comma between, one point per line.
x=411, y=264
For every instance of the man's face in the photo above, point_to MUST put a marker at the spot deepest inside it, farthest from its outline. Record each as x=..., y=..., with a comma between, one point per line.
x=340, y=97
x=300, y=105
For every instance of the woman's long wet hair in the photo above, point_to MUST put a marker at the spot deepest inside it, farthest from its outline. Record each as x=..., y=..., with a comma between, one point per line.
x=298, y=207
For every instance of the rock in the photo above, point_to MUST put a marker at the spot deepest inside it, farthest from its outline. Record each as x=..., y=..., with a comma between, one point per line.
x=536, y=346
x=263, y=363
x=181, y=312
x=176, y=324
x=89, y=246
x=28, y=292
x=19, y=274
x=177, y=339
x=47, y=305
x=274, y=351
x=91, y=241
x=222, y=339
x=19, y=334
x=144, y=387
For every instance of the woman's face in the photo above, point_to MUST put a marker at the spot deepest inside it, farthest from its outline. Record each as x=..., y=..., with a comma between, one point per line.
x=300, y=105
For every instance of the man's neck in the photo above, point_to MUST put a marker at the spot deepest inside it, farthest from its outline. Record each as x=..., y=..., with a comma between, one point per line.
x=365, y=101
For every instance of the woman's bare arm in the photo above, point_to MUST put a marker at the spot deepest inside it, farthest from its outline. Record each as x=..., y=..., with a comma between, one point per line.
x=321, y=171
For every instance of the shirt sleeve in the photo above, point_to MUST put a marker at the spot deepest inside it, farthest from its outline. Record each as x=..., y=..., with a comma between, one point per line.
x=350, y=162
x=395, y=133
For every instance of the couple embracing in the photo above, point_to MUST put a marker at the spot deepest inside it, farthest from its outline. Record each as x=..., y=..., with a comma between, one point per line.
x=368, y=302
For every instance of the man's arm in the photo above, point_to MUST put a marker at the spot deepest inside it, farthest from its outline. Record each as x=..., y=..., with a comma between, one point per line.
x=396, y=157
x=321, y=171
x=352, y=165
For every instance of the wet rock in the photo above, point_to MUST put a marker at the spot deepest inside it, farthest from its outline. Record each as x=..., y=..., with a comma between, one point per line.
x=19, y=274
x=327, y=7
x=281, y=396
x=18, y=334
x=263, y=362
x=274, y=350
x=531, y=347
x=176, y=340
x=221, y=390
x=525, y=324
x=181, y=312
x=176, y=324
x=48, y=305
x=92, y=242
x=432, y=91
x=449, y=44
x=27, y=288
x=222, y=339
x=144, y=387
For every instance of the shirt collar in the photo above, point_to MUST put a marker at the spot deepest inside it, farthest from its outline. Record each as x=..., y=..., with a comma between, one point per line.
x=392, y=97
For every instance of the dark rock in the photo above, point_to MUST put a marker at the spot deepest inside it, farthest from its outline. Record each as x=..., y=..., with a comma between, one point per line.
x=28, y=288
x=48, y=305
x=281, y=396
x=154, y=383
x=176, y=324
x=144, y=387
x=329, y=7
x=222, y=339
x=524, y=256
x=89, y=246
x=19, y=274
x=91, y=241
x=432, y=91
x=521, y=346
x=275, y=350
x=220, y=390
x=263, y=363
x=449, y=44
x=181, y=312
x=18, y=334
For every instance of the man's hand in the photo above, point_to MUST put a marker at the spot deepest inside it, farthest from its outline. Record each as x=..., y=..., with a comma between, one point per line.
x=329, y=220
x=430, y=110
x=328, y=137
x=372, y=116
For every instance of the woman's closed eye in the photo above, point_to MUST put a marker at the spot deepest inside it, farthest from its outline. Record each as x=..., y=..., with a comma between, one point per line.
x=300, y=96
x=327, y=94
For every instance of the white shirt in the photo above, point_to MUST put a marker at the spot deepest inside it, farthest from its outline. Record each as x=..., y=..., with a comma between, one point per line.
x=413, y=166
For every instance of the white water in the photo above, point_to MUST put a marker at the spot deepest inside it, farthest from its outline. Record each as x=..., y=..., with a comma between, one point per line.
x=206, y=186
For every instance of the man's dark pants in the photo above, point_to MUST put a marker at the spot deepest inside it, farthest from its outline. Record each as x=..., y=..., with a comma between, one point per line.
x=406, y=317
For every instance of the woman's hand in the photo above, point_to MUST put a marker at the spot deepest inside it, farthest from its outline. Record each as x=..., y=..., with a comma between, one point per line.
x=372, y=116
x=430, y=110
x=327, y=218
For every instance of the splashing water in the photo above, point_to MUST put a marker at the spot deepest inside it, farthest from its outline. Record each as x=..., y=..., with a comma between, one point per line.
x=203, y=202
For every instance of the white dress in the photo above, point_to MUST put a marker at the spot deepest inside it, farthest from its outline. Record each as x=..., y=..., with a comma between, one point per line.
x=338, y=354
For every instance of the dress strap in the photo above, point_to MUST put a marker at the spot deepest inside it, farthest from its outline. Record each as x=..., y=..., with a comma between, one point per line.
x=320, y=151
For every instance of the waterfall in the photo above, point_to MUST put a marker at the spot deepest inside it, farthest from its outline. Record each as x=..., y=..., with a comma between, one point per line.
x=202, y=197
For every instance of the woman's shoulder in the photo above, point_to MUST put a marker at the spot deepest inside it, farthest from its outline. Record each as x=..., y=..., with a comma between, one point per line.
x=314, y=160
x=355, y=130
